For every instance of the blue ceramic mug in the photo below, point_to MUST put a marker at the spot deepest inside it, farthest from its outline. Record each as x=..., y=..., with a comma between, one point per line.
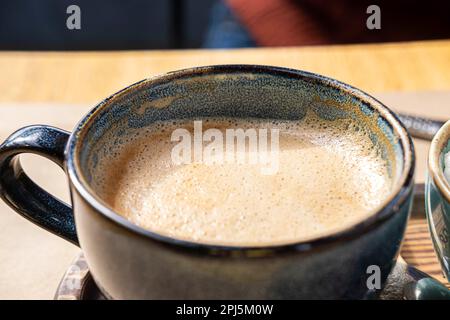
x=128, y=262
x=437, y=197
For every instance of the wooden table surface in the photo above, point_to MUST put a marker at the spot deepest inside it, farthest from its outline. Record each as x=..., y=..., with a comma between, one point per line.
x=87, y=77
x=58, y=88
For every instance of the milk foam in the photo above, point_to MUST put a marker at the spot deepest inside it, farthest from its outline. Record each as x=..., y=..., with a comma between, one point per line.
x=330, y=176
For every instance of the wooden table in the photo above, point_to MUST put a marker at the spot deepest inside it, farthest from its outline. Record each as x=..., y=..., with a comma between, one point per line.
x=58, y=88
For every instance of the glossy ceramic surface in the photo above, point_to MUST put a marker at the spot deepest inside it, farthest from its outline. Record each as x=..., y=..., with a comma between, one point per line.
x=437, y=197
x=129, y=262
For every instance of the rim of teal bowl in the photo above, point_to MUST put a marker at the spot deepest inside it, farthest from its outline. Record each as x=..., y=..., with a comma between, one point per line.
x=438, y=144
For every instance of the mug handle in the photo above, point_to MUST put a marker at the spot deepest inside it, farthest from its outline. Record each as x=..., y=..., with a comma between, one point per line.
x=21, y=193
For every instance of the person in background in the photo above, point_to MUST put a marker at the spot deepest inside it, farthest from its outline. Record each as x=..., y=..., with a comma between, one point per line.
x=246, y=23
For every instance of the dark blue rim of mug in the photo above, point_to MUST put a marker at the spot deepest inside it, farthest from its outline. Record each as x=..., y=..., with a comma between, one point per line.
x=436, y=172
x=397, y=198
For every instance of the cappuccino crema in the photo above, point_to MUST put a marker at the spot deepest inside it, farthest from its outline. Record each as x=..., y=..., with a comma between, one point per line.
x=329, y=176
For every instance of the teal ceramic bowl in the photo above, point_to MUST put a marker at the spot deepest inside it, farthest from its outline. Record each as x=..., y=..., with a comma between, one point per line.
x=437, y=197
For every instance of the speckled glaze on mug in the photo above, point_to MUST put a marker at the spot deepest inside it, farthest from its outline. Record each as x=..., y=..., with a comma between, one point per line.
x=128, y=262
x=437, y=197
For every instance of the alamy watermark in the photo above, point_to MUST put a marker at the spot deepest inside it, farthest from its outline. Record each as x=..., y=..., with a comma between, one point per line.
x=73, y=21
x=373, y=281
x=72, y=279
x=373, y=22
x=212, y=146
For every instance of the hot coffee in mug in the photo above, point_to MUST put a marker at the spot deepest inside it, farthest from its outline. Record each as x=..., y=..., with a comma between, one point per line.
x=226, y=182
x=325, y=176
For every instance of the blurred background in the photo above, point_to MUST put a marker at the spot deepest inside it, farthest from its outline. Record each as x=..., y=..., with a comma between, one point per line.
x=175, y=24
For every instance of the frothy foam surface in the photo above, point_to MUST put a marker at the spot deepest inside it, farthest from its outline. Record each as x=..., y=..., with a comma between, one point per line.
x=330, y=176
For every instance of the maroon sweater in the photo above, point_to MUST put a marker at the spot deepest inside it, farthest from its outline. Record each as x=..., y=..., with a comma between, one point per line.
x=310, y=22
